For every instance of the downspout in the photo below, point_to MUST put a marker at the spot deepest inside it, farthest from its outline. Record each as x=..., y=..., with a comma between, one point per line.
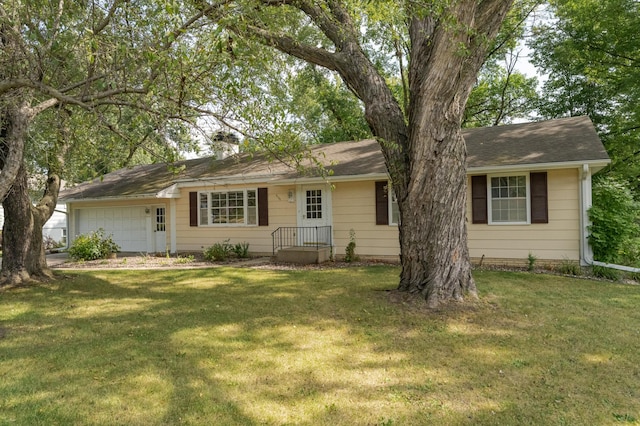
x=586, y=253
x=586, y=258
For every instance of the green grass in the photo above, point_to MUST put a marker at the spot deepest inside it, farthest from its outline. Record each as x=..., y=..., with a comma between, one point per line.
x=239, y=346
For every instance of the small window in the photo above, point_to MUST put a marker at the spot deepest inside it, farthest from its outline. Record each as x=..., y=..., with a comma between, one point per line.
x=252, y=208
x=160, y=219
x=508, y=198
x=387, y=210
x=314, y=204
x=394, y=210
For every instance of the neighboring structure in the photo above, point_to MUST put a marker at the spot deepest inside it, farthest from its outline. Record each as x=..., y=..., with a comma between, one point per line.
x=529, y=190
x=55, y=228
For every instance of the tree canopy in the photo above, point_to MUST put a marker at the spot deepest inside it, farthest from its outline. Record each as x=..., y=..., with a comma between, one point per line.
x=591, y=52
x=72, y=75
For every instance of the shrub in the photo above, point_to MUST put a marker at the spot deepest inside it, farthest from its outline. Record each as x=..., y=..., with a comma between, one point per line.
x=218, y=251
x=614, y=215
x=50, y=244
x=93, y=245
x=222, y=251
x=350, y=250
x=531, y=262
x=569, y=267
x=606, y=273
x=241, y=250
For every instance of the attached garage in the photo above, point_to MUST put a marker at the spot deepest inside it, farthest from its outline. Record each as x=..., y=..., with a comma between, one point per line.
x=127, y=225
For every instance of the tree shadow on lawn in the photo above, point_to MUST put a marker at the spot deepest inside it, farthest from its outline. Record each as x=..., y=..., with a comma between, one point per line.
x=238, y=346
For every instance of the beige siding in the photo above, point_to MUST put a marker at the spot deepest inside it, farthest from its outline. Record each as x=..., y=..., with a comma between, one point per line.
x=195, y=238
x=354, y=208
x=559, y=239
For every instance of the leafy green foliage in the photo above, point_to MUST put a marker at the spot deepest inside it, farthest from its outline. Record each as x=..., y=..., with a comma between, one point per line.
x=531, y=262
x=614, y=216
x=92, y=246
x=500, y=96
x=328, y=111
x=241, y=250
x=222, y=251
x=569, y=267
x=350, y=250
x=606, y=273
x=590, y=52
x=218, y=251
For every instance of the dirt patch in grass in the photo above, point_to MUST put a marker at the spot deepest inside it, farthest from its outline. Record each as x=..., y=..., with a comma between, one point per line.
x=415, y=303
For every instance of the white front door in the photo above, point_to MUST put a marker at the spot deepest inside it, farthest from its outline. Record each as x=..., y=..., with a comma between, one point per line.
x=314, y=214
x=160, y=228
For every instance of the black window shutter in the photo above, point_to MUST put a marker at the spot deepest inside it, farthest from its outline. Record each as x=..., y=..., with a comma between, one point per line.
x=263, y=207
x=193, y=209
x=479, y=199
x=382, y=203
x=539, y=201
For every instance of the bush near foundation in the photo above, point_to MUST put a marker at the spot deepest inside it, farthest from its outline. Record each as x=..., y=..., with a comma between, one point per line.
x=92, y=246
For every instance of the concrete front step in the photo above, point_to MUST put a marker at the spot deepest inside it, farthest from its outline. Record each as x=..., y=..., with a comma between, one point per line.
x=304, y=255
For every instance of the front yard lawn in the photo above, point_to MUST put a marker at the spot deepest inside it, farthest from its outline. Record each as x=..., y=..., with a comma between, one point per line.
x=232, y=346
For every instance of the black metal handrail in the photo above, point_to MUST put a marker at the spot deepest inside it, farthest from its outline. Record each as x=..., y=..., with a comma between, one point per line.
x=301, y=236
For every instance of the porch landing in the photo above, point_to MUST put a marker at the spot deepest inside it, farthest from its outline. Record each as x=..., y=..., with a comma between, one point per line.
x=304, y=255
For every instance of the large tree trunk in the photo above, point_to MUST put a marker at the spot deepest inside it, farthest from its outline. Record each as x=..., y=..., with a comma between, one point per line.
x=23, y=257
x=433, y=235
x=429, y=178
x=14, y=124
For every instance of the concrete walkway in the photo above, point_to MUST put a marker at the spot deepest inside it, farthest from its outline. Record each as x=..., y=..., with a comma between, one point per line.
x=52, y=259
x=55, y=259
x=58, y=259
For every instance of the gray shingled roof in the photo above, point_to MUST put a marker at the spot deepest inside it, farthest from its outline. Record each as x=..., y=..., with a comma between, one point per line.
x=561, y=140
x=554, y=141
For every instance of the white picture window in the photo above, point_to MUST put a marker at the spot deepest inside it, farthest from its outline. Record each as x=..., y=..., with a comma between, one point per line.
x=228, y=208
x=509, y=199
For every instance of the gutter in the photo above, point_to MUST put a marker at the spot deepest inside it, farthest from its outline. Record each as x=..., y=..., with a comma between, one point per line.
x=595, y=165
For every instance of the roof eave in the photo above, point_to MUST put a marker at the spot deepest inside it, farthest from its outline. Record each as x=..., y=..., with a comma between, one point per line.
x=275, y=180
x=108, y=198
x=594, y=165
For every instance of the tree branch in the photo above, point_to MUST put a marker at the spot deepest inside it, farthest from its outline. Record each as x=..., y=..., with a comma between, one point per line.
x=284, y=43
x=500, y=45
x=292, y=47
x=56, y=26
x=338, y=27
x=103, y=24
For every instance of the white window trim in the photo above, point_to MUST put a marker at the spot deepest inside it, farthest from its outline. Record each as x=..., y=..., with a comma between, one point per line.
x=245, y=198
x=391, y=199
x=490, y=199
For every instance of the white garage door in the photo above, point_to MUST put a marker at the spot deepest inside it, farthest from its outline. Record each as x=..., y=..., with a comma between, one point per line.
x=126, y=224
